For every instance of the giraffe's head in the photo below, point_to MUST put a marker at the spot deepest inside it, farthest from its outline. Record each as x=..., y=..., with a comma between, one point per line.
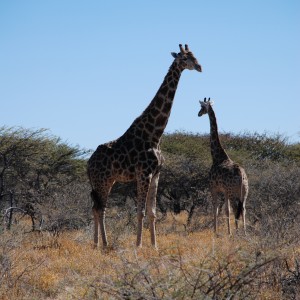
x=186, y=59
x=205, y=106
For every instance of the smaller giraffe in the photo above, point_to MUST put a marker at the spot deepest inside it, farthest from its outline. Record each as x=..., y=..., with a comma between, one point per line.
x=225, y=176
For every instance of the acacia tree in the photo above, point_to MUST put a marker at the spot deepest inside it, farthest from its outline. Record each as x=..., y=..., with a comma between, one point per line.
x=33, y=167
x=183, y=184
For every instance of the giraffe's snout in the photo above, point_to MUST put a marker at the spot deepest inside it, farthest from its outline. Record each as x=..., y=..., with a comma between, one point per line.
x=198, y=68
x=200, y=113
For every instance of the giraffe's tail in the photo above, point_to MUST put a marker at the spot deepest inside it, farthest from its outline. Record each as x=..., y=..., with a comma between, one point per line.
x=97, y=199
x=240, y=202
x=240, y=207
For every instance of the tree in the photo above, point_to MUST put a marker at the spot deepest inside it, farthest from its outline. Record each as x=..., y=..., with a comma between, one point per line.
x=34, y=166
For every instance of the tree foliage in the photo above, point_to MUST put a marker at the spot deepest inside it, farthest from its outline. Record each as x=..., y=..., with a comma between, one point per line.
x=34, y=168
x=46, y=179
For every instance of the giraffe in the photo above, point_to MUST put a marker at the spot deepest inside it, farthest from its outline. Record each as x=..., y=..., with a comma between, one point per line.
x=225, y=176
x=136, y=155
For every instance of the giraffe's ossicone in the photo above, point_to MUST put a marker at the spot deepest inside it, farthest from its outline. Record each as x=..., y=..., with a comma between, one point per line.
x=136, y=155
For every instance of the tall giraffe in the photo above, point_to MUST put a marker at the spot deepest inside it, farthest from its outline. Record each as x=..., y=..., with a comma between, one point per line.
x=136, y=155
x=225, y=176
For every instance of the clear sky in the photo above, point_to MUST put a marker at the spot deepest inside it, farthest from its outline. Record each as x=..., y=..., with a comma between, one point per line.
x=86, y=69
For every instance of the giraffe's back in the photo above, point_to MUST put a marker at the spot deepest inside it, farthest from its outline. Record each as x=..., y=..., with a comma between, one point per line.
x=108, y=162
x=121, y=160
x=228, y=176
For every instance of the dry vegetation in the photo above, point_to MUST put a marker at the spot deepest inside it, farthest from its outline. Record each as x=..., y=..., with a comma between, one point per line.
x=188, y=265
x=56, y=259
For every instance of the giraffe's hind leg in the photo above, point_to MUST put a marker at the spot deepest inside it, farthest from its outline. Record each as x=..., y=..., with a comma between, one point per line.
x=243, y=213
x=151, y=207
x=96, y=222
x=99, y=209
x=215, y=204
x=239, y=210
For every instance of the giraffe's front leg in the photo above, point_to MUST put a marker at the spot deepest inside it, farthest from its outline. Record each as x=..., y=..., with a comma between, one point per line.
x=151, y=207
x=96, y=227
x=99, y=223
x=244, y=217
x=215, y=203
x=143, y=184
x=244, y=198
x=227, y=203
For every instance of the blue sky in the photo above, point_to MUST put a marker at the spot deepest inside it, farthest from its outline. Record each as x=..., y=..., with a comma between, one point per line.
x=86, y=69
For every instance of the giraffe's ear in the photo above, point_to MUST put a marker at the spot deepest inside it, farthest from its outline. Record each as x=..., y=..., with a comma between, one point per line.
x=174, y=54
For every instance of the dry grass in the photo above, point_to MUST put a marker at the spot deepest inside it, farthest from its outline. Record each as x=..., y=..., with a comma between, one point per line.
x=193, y=265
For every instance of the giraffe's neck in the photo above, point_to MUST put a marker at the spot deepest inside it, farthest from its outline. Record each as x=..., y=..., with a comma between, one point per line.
x=217, y=152
x=150, y=125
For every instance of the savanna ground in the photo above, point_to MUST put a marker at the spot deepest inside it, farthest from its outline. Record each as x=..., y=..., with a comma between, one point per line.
x=188, y=265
